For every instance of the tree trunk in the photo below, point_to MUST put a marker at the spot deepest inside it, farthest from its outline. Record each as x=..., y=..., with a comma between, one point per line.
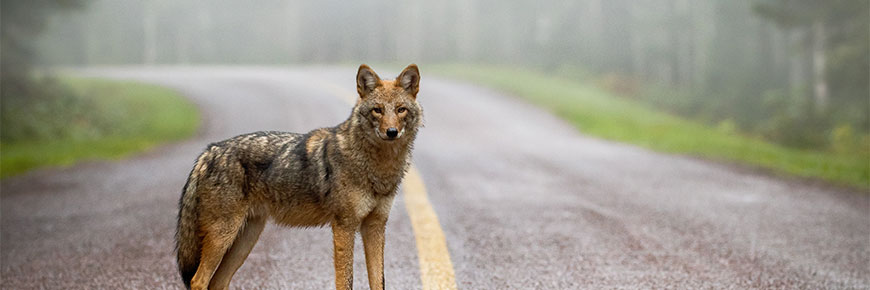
x=150, y=30
x=409, y=45
x=796, y=66
x=182, y=43
x=204, y=46
x=593, y=41
x=674, y=42
x=820, y=83
x=466, y=29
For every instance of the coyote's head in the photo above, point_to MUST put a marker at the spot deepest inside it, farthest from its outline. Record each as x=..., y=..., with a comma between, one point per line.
x=388, y=109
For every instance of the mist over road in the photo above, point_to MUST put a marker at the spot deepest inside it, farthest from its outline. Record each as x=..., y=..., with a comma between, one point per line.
x=525, y=201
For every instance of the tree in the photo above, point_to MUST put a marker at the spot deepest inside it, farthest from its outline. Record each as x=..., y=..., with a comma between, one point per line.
x=21, y=21
x=836, y=29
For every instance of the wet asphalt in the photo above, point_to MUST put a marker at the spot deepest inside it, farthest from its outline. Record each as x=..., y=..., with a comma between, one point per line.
x=524, y=199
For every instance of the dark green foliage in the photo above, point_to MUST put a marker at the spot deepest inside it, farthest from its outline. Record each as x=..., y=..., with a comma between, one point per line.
x=21, y=22
x=44, y=109
x=87, y=119
x=792, y=122
x=32, y=107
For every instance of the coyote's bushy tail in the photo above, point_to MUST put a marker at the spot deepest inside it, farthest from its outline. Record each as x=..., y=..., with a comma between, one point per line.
x=188, y=244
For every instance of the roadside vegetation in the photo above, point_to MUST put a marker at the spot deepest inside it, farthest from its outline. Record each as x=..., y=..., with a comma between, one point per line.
x=597, y=108
x=67, y=120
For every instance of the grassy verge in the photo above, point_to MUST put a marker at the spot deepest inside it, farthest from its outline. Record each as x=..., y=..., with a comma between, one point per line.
x=597, y=112
x=92, y=119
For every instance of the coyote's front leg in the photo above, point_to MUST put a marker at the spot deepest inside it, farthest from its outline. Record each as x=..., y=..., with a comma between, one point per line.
x=373, y=241
x=342, y=240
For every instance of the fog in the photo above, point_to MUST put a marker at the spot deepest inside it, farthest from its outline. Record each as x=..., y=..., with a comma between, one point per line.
x=735, y=61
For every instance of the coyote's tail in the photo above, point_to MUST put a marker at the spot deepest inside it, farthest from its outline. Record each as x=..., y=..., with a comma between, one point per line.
x=188, y=244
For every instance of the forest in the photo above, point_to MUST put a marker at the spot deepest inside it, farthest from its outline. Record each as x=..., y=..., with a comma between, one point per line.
x=794, y=72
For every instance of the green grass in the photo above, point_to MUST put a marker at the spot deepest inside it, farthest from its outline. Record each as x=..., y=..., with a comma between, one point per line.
x=597, y=112
x=114, y=119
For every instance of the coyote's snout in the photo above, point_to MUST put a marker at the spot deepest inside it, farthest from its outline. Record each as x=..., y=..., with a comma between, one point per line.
x=344, y=176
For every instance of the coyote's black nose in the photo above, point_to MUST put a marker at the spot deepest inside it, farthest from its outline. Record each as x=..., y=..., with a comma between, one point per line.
x=392, y=132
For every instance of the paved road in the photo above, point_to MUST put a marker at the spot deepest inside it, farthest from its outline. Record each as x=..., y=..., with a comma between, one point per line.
x=525, y=202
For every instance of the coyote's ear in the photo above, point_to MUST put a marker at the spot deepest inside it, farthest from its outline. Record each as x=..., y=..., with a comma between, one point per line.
x=409, y=79
x=366, y=80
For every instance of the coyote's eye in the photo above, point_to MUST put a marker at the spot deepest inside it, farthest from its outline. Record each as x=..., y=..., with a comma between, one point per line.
x=401, y=110
x=378, y=111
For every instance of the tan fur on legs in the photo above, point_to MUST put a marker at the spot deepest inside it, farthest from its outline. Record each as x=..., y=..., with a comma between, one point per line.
x=373, y=228
x=237, y=253
x=342, y=239
x=217, y=240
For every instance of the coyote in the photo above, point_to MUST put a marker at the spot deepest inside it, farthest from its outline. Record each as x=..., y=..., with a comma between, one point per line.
x=345, y=176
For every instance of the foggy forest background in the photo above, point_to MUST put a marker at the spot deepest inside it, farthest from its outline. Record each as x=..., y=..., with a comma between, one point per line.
x=791, y=71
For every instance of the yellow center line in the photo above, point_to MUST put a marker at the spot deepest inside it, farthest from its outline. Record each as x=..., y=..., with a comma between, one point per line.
x=436, y=269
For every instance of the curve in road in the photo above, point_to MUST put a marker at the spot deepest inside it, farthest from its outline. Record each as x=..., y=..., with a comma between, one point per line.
x=525, y=202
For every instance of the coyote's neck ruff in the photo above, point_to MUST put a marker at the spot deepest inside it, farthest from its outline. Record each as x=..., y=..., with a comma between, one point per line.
x=345, y=176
